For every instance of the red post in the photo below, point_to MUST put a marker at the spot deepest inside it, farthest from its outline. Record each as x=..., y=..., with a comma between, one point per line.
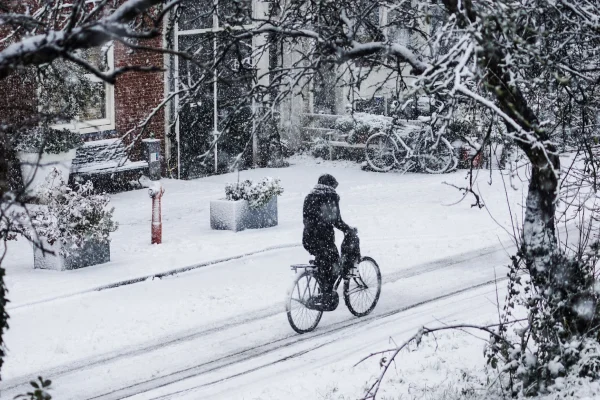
x=156, y=195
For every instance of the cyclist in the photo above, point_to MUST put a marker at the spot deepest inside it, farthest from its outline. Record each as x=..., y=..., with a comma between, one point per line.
x=321, y=214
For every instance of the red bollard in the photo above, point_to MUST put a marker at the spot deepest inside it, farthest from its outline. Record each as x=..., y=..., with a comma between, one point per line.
x=156, y=195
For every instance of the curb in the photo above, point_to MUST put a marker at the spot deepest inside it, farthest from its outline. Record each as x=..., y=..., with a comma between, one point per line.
x=159, y=275
x=176, y=271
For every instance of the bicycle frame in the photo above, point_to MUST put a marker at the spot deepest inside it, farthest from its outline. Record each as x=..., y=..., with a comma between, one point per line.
x=312, y=268
x=307, y=285
x=413, y=146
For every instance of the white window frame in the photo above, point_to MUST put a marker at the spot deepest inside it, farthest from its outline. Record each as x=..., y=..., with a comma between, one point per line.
x=216, y=28
x=102, y=124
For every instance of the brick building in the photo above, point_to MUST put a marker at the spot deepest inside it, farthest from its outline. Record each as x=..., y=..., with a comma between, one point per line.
x=119, y=109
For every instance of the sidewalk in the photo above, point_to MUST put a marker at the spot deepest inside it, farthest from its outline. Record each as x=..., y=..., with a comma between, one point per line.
x=402, y=218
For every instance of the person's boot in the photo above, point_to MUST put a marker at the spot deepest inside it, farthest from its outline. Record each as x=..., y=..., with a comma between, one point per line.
x=327, y=301
x=331, y=301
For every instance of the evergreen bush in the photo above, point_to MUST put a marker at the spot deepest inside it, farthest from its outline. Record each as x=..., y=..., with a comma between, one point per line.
x=256, y=193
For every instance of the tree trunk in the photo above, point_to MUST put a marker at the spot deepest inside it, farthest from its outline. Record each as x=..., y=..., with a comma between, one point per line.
x=4, y=189
x=539, y=236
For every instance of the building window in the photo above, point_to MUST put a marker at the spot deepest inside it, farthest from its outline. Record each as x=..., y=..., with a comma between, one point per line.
x=324, y=90
x=400, y=20
x=202, y=28
x=197, y=15
x=77, y=99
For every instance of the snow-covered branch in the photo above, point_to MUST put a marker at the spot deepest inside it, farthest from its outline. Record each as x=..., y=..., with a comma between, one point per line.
x=53, y=44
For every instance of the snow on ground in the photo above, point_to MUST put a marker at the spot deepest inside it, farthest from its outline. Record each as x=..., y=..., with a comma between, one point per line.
x=407, y=222
x=402, y=219
x=159, y=332
x=447, y=366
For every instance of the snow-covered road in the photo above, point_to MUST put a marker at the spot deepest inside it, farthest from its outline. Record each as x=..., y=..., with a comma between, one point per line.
x=170, y=342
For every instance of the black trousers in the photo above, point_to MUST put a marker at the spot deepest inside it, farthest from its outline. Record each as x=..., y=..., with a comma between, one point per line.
x=326, y=260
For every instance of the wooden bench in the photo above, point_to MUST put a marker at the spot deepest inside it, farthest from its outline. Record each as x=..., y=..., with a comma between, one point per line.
x=106, y=163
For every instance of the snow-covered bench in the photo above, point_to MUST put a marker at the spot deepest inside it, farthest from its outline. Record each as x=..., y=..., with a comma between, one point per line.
x=341, y=144
x=107, y=165
x=335, y=140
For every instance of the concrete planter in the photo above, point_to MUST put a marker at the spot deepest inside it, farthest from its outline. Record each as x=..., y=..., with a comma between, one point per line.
x=238, y=215
x=36, y=167
x=93, y=252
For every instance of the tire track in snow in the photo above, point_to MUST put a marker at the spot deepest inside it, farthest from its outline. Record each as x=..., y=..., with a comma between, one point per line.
x=53, y=373
x=261, y=350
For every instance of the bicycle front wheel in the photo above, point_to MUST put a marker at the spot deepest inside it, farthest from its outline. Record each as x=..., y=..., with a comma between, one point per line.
x=302, y=318
x=380, y=151
x=438, y=159
x=362, y=287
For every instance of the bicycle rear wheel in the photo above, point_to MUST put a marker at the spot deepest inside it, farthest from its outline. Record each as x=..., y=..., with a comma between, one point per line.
x=380, y=151
x=438, y=159
x=363, y=287
x=302, y=318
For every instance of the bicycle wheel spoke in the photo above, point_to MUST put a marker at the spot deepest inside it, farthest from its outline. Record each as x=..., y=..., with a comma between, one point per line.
x=362, y=290
x=299, y=295
x=301, y=318
x=380, y=152
x=437, y=158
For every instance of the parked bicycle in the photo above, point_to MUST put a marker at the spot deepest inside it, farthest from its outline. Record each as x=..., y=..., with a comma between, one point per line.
x=419, y=148
x=362, y=287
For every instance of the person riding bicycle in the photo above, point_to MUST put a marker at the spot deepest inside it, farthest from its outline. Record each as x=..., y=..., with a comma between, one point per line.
x=321, y=214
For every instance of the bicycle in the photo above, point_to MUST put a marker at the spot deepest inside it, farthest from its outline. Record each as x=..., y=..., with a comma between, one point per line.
x=362, y=288
x=385, y=150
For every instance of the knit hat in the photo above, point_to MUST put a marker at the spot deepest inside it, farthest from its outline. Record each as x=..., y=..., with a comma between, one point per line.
x=328, y=180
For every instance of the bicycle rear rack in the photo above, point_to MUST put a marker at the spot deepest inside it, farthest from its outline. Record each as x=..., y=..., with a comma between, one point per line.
x=296, y=267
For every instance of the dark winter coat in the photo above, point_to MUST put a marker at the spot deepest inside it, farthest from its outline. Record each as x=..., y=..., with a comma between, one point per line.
x=321, y=213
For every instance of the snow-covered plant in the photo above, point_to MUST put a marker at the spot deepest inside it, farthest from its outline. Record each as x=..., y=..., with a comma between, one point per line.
x=562, y=331
x=71, y=216
x=359, y=126
x=459, y=130
x=48, y=140
x=319, y=148
x=39, y=390
x=256, y=193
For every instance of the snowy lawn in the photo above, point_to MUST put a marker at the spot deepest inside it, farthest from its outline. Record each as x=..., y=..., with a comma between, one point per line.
x=403, y=220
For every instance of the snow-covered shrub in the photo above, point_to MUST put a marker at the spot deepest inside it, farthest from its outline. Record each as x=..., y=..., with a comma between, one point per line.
x=48, y=140
x=71, y=216
x=360, y=126
x=256, y=193
x=319, y=148
x=561, y=337
x=459, y=130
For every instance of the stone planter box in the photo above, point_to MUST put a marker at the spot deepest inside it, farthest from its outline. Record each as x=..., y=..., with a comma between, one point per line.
x=36, y=167
x=237, y=215
x=93, y=252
